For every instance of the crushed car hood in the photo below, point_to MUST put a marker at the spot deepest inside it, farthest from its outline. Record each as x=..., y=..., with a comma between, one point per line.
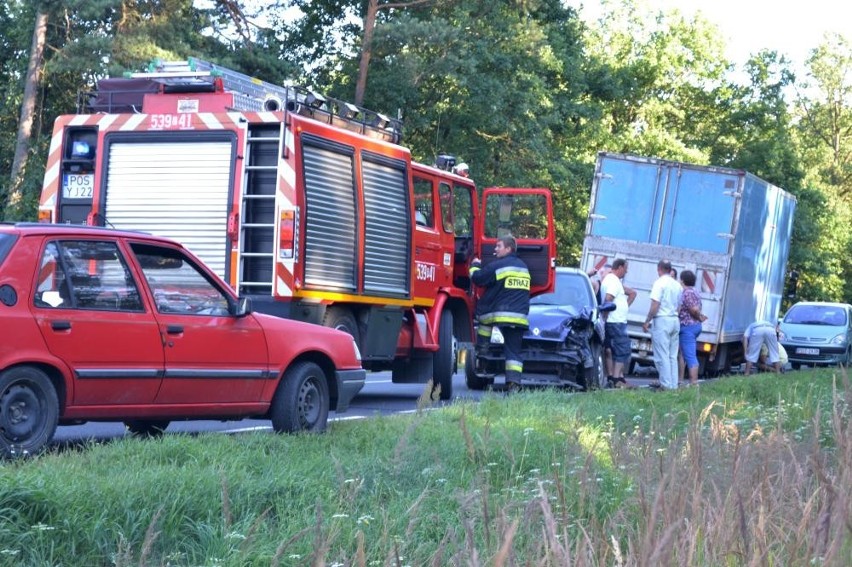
x=548, y=322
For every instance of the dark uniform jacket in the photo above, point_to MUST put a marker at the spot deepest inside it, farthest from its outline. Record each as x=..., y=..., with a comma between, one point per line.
x=506, y=300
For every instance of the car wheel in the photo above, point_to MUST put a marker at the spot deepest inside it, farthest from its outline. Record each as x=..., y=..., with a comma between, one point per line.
x=442, y=361
x=146, y=427
x=473, y=380
x=342, y=319
x=595, y=377
x=301, y=400
x=29, y=411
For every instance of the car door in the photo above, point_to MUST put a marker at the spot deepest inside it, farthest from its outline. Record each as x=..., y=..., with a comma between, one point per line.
x=88, y=307
x=211, y=356
x=526, y=214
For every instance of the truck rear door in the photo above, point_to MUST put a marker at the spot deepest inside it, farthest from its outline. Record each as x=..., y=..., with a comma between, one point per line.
x=526, y=214
x=665, y=203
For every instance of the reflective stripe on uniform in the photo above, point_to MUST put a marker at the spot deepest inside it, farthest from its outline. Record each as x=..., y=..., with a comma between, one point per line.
x=505, y=317
x=514, y=366
x=484, y=331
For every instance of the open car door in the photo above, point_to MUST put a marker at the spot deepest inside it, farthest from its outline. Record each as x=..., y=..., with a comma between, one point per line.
x=526, y=214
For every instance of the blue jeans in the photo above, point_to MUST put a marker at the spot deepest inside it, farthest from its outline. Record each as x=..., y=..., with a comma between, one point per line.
x=688, y=340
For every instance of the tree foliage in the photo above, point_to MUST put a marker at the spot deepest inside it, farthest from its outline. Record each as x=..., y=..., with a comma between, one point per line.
x=522, y=90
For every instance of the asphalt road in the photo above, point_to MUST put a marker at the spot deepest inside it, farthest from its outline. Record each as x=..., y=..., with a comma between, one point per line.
x=379, y=397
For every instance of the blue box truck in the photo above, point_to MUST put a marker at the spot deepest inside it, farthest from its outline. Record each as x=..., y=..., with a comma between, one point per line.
x=731, y=228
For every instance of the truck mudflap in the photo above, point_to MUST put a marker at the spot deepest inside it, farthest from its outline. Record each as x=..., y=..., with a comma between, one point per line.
x=349, y=383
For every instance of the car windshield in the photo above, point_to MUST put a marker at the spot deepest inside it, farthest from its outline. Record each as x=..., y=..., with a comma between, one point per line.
x=571, y=289
x=6, y=241
x=830, y=315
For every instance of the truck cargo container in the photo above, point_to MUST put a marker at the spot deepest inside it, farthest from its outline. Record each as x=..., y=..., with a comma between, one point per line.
x=728, y=226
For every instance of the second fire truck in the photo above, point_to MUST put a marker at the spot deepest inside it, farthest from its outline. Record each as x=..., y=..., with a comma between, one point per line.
x=308, y=205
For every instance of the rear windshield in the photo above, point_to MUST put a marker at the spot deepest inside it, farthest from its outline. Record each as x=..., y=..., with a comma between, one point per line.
x=829, y=315
x=6, y=242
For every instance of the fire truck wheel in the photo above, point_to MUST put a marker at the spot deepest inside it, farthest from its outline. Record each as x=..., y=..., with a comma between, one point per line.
x=473, y=380
x=342, y=319
x=301, y=401
x=29, y=411
x=147, y=427
x=442, y=363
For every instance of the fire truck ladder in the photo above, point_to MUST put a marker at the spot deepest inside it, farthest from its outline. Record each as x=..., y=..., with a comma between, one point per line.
x=257, y=224
x=249, y=93
x=252, y=94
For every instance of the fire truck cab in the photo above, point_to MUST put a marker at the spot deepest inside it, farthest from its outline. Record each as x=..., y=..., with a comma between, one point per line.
x=308, y=205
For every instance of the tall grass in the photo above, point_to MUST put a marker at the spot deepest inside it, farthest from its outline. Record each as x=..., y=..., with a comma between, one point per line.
x=742, y=471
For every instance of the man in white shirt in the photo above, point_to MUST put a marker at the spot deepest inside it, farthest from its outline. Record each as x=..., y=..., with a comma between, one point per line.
x=665, y=299
x=615, y=330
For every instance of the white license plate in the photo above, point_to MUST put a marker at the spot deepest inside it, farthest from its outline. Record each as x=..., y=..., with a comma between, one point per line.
x=813, y=351
x=78, y=186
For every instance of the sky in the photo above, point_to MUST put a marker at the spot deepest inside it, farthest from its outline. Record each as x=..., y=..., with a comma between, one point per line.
x=791, y=28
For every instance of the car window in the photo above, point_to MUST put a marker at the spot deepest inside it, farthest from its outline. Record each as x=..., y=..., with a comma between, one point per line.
x=85, y=274
x=829, y=315
x=178, y=285
x=570, y=289
x=6, y=241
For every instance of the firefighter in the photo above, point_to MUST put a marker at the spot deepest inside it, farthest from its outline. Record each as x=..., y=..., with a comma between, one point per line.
x=504, y=303
x=462, y=169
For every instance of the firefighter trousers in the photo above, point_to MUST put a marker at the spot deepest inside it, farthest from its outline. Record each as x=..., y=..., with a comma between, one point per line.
x=512, y=343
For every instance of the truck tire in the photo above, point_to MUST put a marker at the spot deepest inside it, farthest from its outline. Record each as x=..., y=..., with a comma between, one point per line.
x=301, y=401
x=29, y=411
x=342, y=319
x=146, y=427
x=595, y=377
x=442, y=363
x=473, y=380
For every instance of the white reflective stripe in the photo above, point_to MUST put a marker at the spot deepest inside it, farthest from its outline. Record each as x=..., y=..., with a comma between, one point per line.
x=80, y=120
x=210, y=120
x=281, y=288
x=177, y=190
x=133, y=122
x=107, y=120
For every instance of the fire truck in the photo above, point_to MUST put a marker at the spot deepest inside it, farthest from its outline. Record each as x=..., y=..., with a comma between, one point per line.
x=308, y=205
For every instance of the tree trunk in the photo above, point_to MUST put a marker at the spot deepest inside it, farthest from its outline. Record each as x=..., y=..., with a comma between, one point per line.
x=25, y=125
x=366, y=51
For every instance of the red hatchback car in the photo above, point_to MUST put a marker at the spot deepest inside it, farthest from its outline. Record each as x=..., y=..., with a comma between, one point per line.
x=105, y=325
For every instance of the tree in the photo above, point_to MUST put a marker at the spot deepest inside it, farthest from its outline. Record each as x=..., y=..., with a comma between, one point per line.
x=657, y=81
x=824, y=132
x=25, y=124
x=825, y=106
x=373, y=7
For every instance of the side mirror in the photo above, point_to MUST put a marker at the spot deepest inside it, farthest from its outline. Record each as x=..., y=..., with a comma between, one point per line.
x=241, y=307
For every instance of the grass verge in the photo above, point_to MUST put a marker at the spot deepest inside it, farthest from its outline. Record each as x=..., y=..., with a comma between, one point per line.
x=741, y=471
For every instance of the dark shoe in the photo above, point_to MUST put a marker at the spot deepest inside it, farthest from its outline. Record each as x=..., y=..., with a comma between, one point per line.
x=513, y=387
x=619, y=382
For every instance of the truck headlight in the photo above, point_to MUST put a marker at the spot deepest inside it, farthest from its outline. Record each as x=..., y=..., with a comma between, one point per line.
x=496, y=336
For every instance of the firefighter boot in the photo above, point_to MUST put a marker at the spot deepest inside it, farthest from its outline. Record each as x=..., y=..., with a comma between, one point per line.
x=513, y=381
